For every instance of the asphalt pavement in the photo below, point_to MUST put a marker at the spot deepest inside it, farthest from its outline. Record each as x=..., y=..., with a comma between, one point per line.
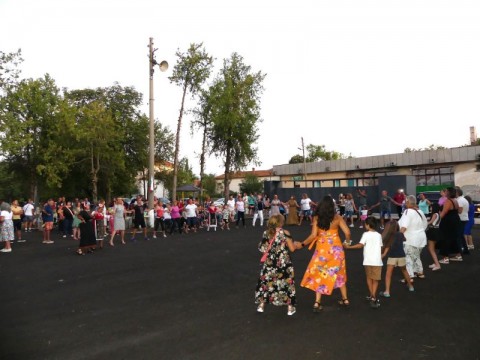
x=191, y=296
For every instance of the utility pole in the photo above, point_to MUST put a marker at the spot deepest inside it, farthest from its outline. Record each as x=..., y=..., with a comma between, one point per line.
x=151, y=160
x=304, y=165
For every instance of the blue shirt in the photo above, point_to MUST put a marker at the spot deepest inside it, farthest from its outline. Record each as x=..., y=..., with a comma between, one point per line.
x=48, y=213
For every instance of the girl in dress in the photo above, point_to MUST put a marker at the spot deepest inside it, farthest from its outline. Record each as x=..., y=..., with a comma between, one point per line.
x=276, y=284
x=119, y=221
x=75, y=224
x=6, y=229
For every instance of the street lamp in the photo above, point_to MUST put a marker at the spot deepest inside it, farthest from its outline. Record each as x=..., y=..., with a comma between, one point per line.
x=304, y=164
x=151, y=164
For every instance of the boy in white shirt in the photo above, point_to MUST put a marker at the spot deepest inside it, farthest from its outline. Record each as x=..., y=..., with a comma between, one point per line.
x=371, y=242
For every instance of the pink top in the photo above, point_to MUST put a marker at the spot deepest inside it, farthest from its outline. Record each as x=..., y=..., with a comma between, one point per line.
x=175, y=212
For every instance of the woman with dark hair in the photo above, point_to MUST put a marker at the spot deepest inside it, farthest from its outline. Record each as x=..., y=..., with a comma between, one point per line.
x=327, y=268
x=449, y=224
x=433, y=236
x=88, y=241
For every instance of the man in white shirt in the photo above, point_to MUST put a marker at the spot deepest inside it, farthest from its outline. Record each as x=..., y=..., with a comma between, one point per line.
x=28, y=209
x=191, y=212
x=306, y=210
x=463, y=206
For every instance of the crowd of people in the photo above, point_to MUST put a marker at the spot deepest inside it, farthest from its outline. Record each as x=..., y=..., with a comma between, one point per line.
x=446, y=226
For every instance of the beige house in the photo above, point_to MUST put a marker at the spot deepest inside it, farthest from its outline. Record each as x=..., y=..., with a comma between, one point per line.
x=237, y=178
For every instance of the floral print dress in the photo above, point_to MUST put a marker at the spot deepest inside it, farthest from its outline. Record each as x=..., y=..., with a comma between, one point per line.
x=327, y=268
x=276, y=284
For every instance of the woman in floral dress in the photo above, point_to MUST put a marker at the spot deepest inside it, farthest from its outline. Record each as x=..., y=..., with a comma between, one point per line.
x=327, y=268
x=276, y=284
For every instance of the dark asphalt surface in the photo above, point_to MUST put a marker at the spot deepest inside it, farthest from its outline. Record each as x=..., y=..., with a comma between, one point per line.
x=191, y=296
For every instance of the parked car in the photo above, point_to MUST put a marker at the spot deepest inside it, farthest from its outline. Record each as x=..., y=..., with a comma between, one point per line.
x=219, y=202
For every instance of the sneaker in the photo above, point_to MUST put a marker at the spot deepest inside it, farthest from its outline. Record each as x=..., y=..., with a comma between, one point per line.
x=291, y=310
x=411, y=289
x=456, y=258
x=21, y=240
x=64, y=236
x=351, y=225
x=154, y=236
x=164, y=235
x=384, y=294
x=6, y=250
x=48, y=242
x=374, y=304
x=361, y=226
x=444, y=261
x=471, y=247
x=261, y=308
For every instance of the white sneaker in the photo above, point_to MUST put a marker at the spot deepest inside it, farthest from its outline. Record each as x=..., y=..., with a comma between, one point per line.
x=164, y=235
x=154, y=236
x=261, y=307
x=6, y=250
x=351, y=225
x=291, y=310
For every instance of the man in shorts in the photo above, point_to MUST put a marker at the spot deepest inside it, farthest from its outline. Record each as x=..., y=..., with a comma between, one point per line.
x=28, y=210
x=306, y=210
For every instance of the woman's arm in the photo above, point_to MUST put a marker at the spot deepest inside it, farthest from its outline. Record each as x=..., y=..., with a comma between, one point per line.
x=289, y=241
x=312, y=235
x=385, y=252
x=344, y=227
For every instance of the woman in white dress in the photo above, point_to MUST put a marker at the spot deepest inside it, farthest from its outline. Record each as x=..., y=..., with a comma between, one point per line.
x=7, y=232
x=119, y=221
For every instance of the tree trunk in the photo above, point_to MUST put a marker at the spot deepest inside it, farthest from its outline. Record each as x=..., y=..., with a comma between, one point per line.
x=226, y=179
x=177, y=145
x=202, y=161
x=94, y=176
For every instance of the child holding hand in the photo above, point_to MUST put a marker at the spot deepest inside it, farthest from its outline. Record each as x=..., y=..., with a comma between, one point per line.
x=276, y=284
x=371, y=242
x=393, y=241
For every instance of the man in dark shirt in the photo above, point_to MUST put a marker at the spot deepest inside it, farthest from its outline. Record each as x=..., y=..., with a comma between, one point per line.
x=139, y=219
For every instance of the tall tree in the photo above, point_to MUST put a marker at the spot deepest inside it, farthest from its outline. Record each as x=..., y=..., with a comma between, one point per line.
x=202, y=122
x=234, y=105
x=36, y=127
x=251, y=184
x=98, y=137
x=192, y=69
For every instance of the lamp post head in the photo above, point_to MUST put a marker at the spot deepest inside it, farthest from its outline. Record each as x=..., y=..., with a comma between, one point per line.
x=163, y=66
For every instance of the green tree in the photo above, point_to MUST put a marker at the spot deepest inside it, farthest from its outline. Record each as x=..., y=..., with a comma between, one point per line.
x=296, y=159
x=234, y=105
x=251, y=184
x=431, y=147
x=185, y=176
x=190, y=72
x=36, y=127
x=319, y=152
x=209, y=184
x=98, y=136
x=9, y=69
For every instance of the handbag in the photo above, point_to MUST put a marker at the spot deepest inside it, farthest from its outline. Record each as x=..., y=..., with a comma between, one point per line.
x=265, y=254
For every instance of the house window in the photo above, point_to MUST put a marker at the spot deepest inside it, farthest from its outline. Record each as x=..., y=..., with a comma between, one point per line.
x=316, y=184
x=352, y=182
x=336, y=183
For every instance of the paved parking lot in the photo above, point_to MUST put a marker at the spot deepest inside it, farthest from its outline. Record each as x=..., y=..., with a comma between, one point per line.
x=191, y=297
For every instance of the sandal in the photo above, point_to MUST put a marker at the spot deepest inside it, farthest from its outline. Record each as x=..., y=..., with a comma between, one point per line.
x=344, y=302
x=317, y=307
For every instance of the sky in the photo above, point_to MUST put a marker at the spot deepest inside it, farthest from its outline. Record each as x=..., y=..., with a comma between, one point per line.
x=362, y=78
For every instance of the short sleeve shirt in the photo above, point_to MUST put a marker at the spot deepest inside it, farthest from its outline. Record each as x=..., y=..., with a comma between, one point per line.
x=372, y=251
